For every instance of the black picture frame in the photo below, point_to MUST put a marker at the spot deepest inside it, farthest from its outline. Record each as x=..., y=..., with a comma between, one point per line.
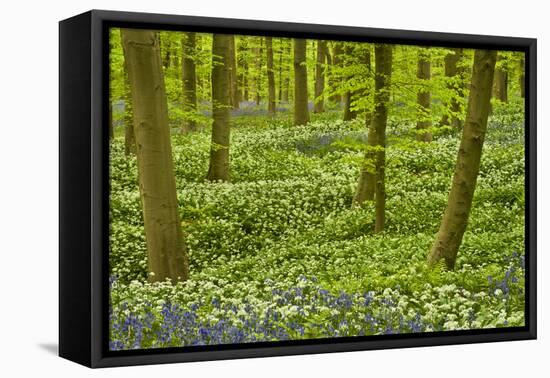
x=83, y=181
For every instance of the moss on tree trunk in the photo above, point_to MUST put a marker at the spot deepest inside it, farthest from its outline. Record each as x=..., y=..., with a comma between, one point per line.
x=455, y=218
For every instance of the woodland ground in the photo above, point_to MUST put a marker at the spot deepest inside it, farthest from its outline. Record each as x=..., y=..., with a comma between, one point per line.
x=279, y=253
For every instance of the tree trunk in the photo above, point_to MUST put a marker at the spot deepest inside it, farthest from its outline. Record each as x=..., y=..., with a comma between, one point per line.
x=522, y=77
x=167, y=255
x=367, y=177
x=454, y=74
x=382, y=86
x=500, y=86
x=301, y=113
x=233, y=82
x=334, y=78
x=423, y=96
x=221, y=103
x=271, y=102
x=260, y=64
x=280, y=94
x=286, y=85
x=319, y=103
x=189, y=78
x=455, y=218
x=349, y=96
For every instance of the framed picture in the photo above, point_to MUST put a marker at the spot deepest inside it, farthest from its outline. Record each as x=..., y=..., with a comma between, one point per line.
x=235, y=188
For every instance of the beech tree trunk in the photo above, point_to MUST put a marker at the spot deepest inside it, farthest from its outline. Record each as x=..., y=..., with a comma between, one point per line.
x=382, y=83
x=189, y=78
x=233, y=78
x=455, y=218
x=349, y=96
x=166, y=252
x=286, y=85
x=319, y=103
x=334, y=78
x=259, y=66
x=366, y=185
x=454, y=74
x=280, y=94
x=500, y=86
x=423, y=97
x=271, y=101
x=522, y=77
x=301, y=113
x=221, y=103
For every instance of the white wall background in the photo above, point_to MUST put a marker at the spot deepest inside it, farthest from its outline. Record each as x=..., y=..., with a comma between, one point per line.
x=29, y=188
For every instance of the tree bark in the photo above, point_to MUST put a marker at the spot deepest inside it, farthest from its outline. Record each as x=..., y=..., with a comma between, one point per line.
x=367, y=177
x=522, y=77
x=423, y=96
x=334, y=78
x=271, y=101
x=454, y=74
x=500, y=86
x=382, y=83
x=319, y=103
x=221, y=104
x=301, y=112
x=233, y=82
x=455, y=218
x=167, y=255
x=189, y=78
x=348, y=96
x=260, y=64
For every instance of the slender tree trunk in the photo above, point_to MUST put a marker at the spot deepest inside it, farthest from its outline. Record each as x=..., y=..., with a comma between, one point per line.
x=280, y=94
x=383, y=62
x=500, y=86
x=349, y=96
x=189, y=79
x=233, y=82
x=367, y=177
x=164, y=46
x=455, y=218
x=319, y=103
x=286, y=85
x=368, y=65
x=221, y=103
x=423, y=96
x=167, y=255
x=301, y=112
x=454, y=74
x=271, y=102
x=522, y=77
x=260, y=64
x=334, y=78
x=246, y=92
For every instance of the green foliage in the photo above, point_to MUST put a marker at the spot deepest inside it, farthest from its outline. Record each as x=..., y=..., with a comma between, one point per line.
x=287, y=215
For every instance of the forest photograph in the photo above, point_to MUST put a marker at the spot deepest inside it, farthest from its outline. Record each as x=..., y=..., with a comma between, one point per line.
x=265, y=189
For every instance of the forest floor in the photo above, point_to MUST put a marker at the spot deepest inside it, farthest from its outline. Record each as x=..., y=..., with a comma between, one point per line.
x=279, y=253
